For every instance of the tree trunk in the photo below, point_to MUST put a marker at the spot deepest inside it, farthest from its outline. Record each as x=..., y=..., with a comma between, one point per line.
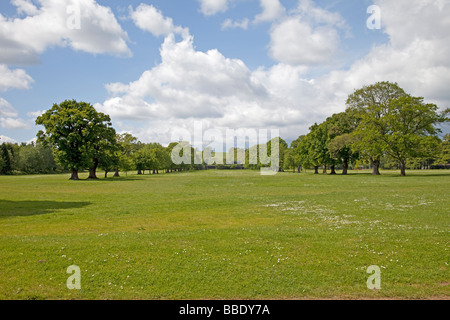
x=106, y=174
x=345, y=167
x=333, y=169
x=403, y=168
x=376, y=167
x=116, y=174
x=92, y=170
x=92, y=173
x=139, y=172
x=74, y=175
x=324, y=169
x=299, y=168
x=316, y=169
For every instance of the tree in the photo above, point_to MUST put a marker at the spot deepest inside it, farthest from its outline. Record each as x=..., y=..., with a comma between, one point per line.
x=279, y=153
x=306, y=159
x=443, y=157
x=294, y=156
x=127, y=145
x=77, y=133
x=410, y=129
x=35, y=159
x=318, y=147
x=340, y=140
x=369, y=105
x=6, y=167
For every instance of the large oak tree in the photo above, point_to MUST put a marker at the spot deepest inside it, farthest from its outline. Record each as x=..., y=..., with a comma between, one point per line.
x=78, y=135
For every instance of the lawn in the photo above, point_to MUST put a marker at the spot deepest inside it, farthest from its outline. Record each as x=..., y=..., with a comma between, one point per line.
x=226, y=235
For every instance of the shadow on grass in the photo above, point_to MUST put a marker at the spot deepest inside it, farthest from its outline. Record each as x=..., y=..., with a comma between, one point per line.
x=10, y=208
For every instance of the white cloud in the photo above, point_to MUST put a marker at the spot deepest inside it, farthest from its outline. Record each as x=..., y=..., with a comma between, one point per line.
x=150, y=19
x=8, y=117
x=17, y=79
x=230, y=24
x=212, y=7
x=25, y=7
x=187, y=83
x=406, y=21
x=6, y=110
x=5, y=139
x=308, y=11
x=35, y=114
x=308, y=36
x=190, y=85
x=297, y=43
x=272, y=10
x=14, y=123
x=22, y=40
x=416, y=56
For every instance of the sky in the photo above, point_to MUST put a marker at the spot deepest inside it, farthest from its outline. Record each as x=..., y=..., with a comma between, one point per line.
x=158, y=66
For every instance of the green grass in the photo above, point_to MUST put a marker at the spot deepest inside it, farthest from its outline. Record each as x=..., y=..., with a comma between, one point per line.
x=226, y=235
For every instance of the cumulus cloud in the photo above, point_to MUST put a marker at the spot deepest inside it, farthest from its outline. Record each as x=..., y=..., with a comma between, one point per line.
x=8, y=117
x=6, y=139
x=150, y=19
x=230, y=24
x=191, y=85
x=25, y=7
x=272, y=10
x=298, y=43
x=416, y=56
x=212, y=7
x=6, y=110
x=187, y=83
x=80, y=24
x=308, y=36
x=17, y=79
x=14, y=123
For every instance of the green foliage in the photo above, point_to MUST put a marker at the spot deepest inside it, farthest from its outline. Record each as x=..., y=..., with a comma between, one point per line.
x=369, y=105
x=35, y=159
x=443, y=157
x=6, y=154
x=79, y=135
x=127, y=146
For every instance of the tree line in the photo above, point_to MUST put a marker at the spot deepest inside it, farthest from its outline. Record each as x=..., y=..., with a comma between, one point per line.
x=382, y=123
x=382, y=126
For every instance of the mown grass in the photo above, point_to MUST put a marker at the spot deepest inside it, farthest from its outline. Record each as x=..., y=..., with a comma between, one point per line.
x=226, y=235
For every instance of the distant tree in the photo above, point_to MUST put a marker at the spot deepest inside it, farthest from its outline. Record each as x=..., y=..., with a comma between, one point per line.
x=443, y=158
x=2, y=164
x=35, y=159
x=294, y=155
x=6, y=163
x=340, y=140
x=77, y=133
x=318, y=147
x=143, y=158
x=289, y=159
x=306, y=157
x=127, y=146
x=280, y=153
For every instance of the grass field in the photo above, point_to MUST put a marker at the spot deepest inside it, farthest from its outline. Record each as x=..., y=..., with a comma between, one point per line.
x=226, y=235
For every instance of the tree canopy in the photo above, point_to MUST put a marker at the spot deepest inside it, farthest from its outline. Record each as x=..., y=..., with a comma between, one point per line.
x=78, y=134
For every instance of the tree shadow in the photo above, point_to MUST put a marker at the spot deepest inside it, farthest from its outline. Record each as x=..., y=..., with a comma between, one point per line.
x=10, y=208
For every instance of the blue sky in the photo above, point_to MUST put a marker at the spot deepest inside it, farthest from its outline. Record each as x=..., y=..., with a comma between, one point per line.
x=157, y=66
